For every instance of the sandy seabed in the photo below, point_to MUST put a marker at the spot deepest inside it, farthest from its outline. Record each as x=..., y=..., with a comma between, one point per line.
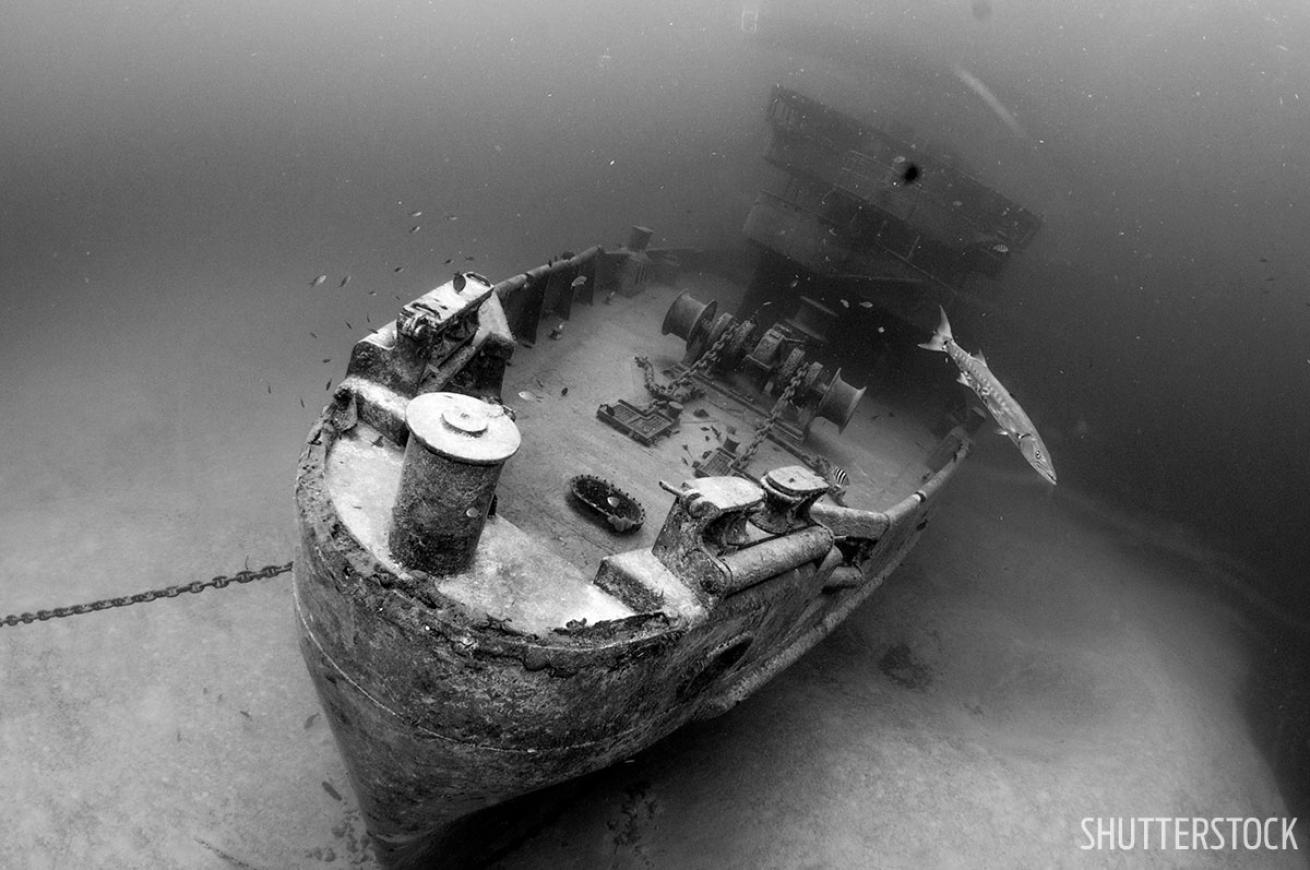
x=1032, y=664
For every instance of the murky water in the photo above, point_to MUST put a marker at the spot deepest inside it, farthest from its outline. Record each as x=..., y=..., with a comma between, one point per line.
x=175, y=175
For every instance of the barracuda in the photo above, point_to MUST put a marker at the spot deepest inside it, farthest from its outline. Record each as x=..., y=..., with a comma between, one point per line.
x=1008, y=414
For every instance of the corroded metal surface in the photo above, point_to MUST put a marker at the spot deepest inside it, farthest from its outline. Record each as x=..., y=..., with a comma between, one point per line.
x=452, y=686
x=456, y=448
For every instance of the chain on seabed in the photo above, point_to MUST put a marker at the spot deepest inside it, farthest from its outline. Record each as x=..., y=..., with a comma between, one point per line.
x=219, y=582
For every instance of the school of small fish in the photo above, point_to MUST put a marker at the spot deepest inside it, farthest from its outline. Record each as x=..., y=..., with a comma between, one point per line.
x=346, y=278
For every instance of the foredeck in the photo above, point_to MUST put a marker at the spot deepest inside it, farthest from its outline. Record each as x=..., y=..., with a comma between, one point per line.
x=556, y=386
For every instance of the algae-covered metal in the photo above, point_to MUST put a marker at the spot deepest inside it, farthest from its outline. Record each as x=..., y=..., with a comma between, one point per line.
x=473, y=636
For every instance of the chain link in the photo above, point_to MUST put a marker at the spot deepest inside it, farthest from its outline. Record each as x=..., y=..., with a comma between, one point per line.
x=704, y=362
x=762, y=431
x=195, y=586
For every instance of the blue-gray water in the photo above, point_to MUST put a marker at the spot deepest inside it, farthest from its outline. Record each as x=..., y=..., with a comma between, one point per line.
x=173, y=174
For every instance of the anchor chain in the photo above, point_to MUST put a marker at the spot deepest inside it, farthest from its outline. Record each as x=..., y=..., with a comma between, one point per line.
x=670, y=390
x=219, y=582
x=762, y=431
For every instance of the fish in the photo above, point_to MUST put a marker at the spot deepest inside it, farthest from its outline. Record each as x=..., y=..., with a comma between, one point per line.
x=313, y=335
x=344, y=281
x=1008, y=414
x=319, y=280
x=327, y=787
x=448, y=259
x=414, y=229
x=416, y=213
x=398, y=269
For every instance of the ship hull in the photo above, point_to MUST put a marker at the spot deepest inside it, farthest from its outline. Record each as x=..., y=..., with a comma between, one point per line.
x=438, y=717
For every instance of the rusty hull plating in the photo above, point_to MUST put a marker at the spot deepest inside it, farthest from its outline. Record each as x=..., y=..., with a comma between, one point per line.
x=460, y=659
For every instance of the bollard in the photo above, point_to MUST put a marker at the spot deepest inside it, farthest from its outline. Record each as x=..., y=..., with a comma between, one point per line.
x=457, y=447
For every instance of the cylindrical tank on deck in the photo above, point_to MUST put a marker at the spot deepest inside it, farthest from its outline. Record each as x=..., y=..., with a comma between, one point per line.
x=457, y=447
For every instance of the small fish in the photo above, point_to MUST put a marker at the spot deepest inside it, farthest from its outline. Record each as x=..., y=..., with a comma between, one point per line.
x=866, y=304
x=347, y=323
x=470, y=258
x=244, y=713
x=398, y=269
x=313, y=335
x=844, y=303
x=416, y=213
x=1008, y=414
x=580, y=281
x=414, y=229
x=269, y=386
x=372, y=292
x=328, y=385
x=327, y=787
x=344, y=281
x=564, y=392
x=448, y=260
x=327, y=359
x=377, y=442
x=302, y=402
x=317, y=281
x=310, y=720
x=367, y=319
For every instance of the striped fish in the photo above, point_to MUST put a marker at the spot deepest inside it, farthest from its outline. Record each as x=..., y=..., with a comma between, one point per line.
x=834, y=474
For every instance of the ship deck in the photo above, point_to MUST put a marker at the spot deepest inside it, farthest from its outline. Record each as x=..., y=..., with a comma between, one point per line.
x=535, y=569
x=556, y=386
